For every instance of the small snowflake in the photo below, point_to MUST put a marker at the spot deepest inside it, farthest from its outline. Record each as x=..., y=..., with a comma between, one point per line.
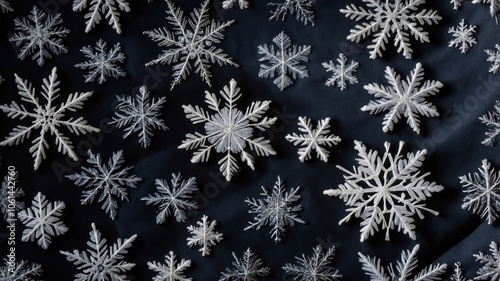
x=22, y=271
x=204, y=235
x=248, y=268
x=277, y=209
x=457, y=273
x=228, y=4
x=494, y=58
x=98, y=8
x=315, y=268
x=176, y=198
x=492, y=120
x=101, y=262
x=105, y=181
x=5, y=7
x=463, y=36
x=171, y=270
x=301, y=8
x=103, y=63
x=494, y=6
x=343, y=73
x=139, y=115
x=456, y=4
x=8, y=192
x=491, y=264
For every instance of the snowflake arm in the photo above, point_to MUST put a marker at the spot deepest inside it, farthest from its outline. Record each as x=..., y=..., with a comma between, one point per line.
x=248, y=268
x=457, y=273
x=97, y=8
x=301, y=8
x=204, y=235
x=463, y=36
x=22, y=271
x=102, y=63
x=494, y=7
x=315, y=268
x=171, y=270
x=5, y=7
x=342, y=73
x=228, y=4
x=456, y=4
x=494, y=59
x=8, y=192
x=490, y=269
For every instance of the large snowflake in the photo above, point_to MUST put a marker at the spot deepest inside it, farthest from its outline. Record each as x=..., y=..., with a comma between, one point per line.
x=102, y=63
x=248, y=268
x=398, y=18
x=229, y=130
x=385, y=191
x=5, y=7
x=10, y=194
x=228, y=4
x=301, y=8
x=101, y=262
x=172, y=270
x=315, y=268
x=39, y=35
x=105, y=181
x=194, y=45
x=494, y=59
x=284, y=61
x=494, y=6
x=47, y=118
x=491, y=264
x=405, y=98
x=22, y=271
x=343, y=73
x=204, y=235
x=463, y=36
x=97, y=8
x=492, y=120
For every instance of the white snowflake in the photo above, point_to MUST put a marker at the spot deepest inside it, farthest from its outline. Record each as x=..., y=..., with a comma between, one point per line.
x=228, y=4
x=343, y=73
x=491, y=264
x=101, y=262
x=229, y=130
x=286, y=60
x=39, y=35
x=46, y=118
x=301, y=8
x=42, y=221
x=494, y=6
x=494, y=58
x=8, y=192
x=313, y=139
x=248, y=268
x=5, y=7
x=463, y=36
x=315, y=268
x=399, y=18
x=171, y=270
x=98, y=8
x=408, y=263
x=457, y=273
x=385, y=191
x=106, y=181
x=23, y=271
x=204, y=235
x=176, y=198
x=196, y=44
x=277, y=209
x=456, y=4
x=405, y=98
x=492, y=120
x=139, y=115
x=103, y=63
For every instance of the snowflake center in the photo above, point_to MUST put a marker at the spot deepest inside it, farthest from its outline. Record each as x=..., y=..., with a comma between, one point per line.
x=228, y=130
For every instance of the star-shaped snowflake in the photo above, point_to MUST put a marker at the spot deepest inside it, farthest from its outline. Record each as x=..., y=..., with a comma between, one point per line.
x=463, y=36
x=494, y=6
x=21, y=271
x=315, y=268
x=248, y=268
x=204, y=235
x=102, y=63
x=171, y=270
x=110, y=9
x=343, y=73
x=494, y=58
x=491, y=264
x=492, y=120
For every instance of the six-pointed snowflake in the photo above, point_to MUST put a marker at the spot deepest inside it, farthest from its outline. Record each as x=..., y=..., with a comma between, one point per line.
x=494, y=58
x=105, y=181
x=494, y=7
x=5, y=7
x=176, y=198
x=385, y=191
x=456, y=4
x=228, y=4
x=463, y=36
x=102, y=63
x=399, y=18
x=301, y=8
x=139, y=115
x=39, y=35
x=315, y=268
x=343, y=73
x=248, y=268
x=8, y=192
x=229, y=130
x=405, y=98
x=171, y=270
x=457, y=273
x=195, y=45
x=101, y=262
x=204, y=235
x=97, y=8
x=492, y=120
x=21, y=271
x=47, y=118
x=491, y=264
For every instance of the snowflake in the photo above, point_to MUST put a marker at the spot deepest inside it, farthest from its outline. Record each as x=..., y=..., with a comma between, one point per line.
x=494, y=6
x=5, y=7
x=491, y=268
x=103, y=63
x=313, y=139
x=342, y=73
x=11, y=191
x=494, y=58
x=228, y=4
x=171, y=270
x=100, y=7
x=315, y=268
x=101, y=262
x=139, y=115
x=176, y=198
x=46, y=118
x=204, y=235
x=229, y=130
x=405, y=98
x=278, y=209
x=108, y=180
x=492, y=120
x=39, y=35
x=284, y=61
x=42, y=221
x=23, y=271
x=404, y=268
x=456, y=4
x=457, y=273
x=463, y=36
x=301, y=8
x=185, y=45
x=248, y=268
x=385, y=192
x=386, y=18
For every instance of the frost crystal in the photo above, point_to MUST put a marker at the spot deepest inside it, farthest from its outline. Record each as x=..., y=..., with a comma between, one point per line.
x=204, y=235
x=98, y=8
x=248, y=268
x=456, y=4
x=492, y=120
x=315, y=268
x=286, y=60
x=23, y=271
x=176, y=198
x=400, y=18
x=494, y=6
x=47, y=118
x=491, y=268
x=139, y=115
x=278, y=209
x=103, y=63
x=301, y=8
x=229, y=130
x=106, y=181
x=42, y=221
x=494, y=58
x=457, y=273
x=343, y=73
x=171, y=270
x=405, y=98
x=10, y=190
x=313, y=139
x=5, y=7
x=39, y=35
x=404, y=268
x=228, y=4
x=385, y=192
x=463, y=36
x=101, y=262
x=196, y=44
